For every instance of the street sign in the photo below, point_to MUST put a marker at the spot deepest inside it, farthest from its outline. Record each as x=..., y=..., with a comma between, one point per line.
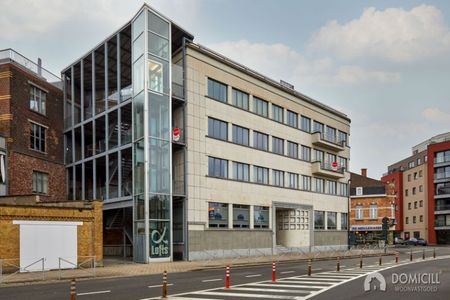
x=176, y=134
x=334, y=165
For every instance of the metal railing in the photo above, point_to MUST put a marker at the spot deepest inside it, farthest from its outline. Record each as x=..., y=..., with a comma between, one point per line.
x=87, y=266
x=330, y=138
x=12, y=269
x=443, y=175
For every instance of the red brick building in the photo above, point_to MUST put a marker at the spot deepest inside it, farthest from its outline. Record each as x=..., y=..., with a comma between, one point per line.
x=31, y=121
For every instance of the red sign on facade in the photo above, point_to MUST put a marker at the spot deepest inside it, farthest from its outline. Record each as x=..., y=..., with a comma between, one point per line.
x=334, y=165
x=176, y=134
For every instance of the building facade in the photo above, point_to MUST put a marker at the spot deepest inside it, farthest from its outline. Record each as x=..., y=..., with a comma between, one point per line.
x=195, y=154
x=423, y=181
x=31, y=107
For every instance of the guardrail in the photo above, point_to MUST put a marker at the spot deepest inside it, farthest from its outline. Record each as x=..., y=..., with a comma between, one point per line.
x=16, y=269
x=87, y=265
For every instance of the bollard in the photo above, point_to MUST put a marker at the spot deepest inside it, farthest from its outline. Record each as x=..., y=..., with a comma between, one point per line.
x=380, y=261
x=164, y=285
x=410, y=256
x=309, y=267
x=73, y=290
x=274, y=272
x=338, y=266
x=227, y=278
x=423, y=254
x=434, y=252
x=396, y=257
x=360, y=262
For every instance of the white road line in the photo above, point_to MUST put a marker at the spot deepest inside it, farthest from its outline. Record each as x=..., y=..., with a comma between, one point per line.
x=309, y=278
x=292, y=291
x=312, y=287
x=249, y=295
x=188, y=298
x=287, y=272
x=324, y=284
x=158, y=285
x=93, y=293
x=328, y=275
x=211, y=280
x=254, y=275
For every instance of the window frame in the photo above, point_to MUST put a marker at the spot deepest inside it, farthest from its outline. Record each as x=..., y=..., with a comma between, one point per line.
x=260, y=107
x=239, y=138
x=37, y=141
x=219, y=84
x=235, y=99
x=38, y=98
x=41, y=177
x=213, y=133
x=223, y=167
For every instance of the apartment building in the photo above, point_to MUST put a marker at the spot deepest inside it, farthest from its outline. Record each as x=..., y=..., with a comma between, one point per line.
x=423, y=183
x=195, y=154
x=31, y=126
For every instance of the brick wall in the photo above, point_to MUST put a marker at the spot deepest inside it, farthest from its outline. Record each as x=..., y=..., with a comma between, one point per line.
x=384, y=209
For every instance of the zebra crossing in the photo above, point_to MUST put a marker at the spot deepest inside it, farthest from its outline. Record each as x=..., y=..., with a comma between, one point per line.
x=290, y=288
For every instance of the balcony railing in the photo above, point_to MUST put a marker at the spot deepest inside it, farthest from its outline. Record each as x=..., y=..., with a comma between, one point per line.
x=443, y=175
x=443, y=191
x=440, y=207
x=439, y=160
x=327, y=166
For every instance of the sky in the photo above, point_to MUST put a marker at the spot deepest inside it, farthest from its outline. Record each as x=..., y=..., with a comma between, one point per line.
x=386, y=64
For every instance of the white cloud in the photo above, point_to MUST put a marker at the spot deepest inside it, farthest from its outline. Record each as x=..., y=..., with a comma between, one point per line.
x=394, y=34
x=433, y=114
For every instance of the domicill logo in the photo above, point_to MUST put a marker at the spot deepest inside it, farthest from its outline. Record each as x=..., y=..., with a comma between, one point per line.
x=374, y=281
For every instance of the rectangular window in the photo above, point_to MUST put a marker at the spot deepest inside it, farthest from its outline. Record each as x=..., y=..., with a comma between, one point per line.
x=278, y=178
x=413, y=190
x=407, y=220
x=241, y=171
x=240, y=99
x=241, y=216
x=261, y=216
x=332, y=186
x=261, y=175
x=277, y=145
x=415, y=204
x=344, y=221
x=305, y=124
x=293, y=180
x=406, y=192
x=38, y=99
x=319, y=156
x=318, y=127
x=415, y=175
x=342, y=137
x=421, y=218
x=217, y=129
x=443, y=156
x=373, y=211
x=306, y=153
x=217, y=167
x=306, y=183
x=240, y=135
x=342, y=162
x=260, y=107
x=331, y=134
x=277, y=113
x=319, y=219
x=218, y=215
x=260, y=141
x=40, y=183
x=292, y=119
x=217, y=90
x=292, y=149
x=421, y=203
x=441, y=173
x=359, y=212
x=409, y=205
x=343, y=189
x=319, y=185
x=414, y=219
x=37, y=137
x=331, y=220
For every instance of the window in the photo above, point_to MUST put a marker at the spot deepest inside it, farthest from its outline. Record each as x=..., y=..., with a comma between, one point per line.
x=37, y=99
x=411, y=165
x=241, y=171
x=306, y=182
x=319, y=155
x=217, y=167
x=318, y=127
x=40, y=183
x=217, y=90
x=218, y=215
x=278, y=178
x=343, y=189
x=409, y=205
x=413, y=190
x=420, y=173
x=260, y=141
x=293, y=180
x=240, y=99
x=320, y=185
x=331, y=220
x=415, y=175
x=342, y=161
x=277, y=113
x=277, y=145
x=319, y=219
x=373, y=211
x=414, y=219
x=406, y=192
x=261, y=175
x=415, y=204
x=332, y=186
x=261, y=216
x=240, y=135
x=260, y=107
x=421, y=203
x=409, y=177
x=407, y=220
x=359, y=212
x=156, y=76
x=443, y=156
x=241, y=216
x=420, y=188
x=331, y=134
x=442, y=188
x=217, y=129
x=306, y=153
x=37, y=137
x=330, y=158
x=292, y=149
x=442, y=173
x=344, y=221
x=342, y=137
x=419, y=161
x=305, y=124
x=292, y=119
x=421, y=218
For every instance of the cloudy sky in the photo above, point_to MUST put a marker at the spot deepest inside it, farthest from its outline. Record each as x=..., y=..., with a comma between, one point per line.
x=384, y=63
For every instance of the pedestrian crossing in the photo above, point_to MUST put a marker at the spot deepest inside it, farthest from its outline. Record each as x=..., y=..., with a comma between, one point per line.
x=290, y=288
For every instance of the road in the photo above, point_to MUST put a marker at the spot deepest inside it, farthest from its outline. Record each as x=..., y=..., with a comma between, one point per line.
x=247, y=282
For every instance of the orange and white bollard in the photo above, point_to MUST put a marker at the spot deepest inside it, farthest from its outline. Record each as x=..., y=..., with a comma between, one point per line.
x=164, y=285
x=434, y=252
x=338, y=265
x=274, y=272
x=309, y=267
x=410, y=256
x=227, y=278
x=73, y=290
x=396, y=257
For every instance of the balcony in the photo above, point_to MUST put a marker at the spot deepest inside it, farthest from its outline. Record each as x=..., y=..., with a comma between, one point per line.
x=442, y=209
x=327, y=141
x=444, y=176
x=441, y=161
x=177, y=81
x=442, y=192
x=326, y=170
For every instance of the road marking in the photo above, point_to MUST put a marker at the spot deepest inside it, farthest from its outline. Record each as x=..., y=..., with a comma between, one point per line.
x=324, y=284
x=312, y=287
x=254, y=275
x=292, y=291
x=311, y=278
x=158, y=285
x=93, y=293
x=287, y=272
x=211, y=280
x=248, y=295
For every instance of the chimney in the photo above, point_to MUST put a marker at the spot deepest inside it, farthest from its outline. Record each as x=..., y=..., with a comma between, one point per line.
x=364, y=172
x=39, y=63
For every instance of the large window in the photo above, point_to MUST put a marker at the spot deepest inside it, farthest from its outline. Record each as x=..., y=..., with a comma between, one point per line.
x=442, y=188
x=37, y=137
x=277, y=145
x=331, y=220
x=261, y=175
x=240, y=171
x=443, y=172
x=342, y=161
x=278, y=178
x=332, y=186
x=260, y=141
x=331, y=134
x=344, y=221
x=306, y=153
x=217, y=129
x=343, y=189
x=342, y=137
x=359, y=212
x=261, y=216
x=292, y=119
x=443, y=156
x=373, y=211
x=318, y=127
x=240, y=135
x=37, y=99
x=292, y=149
x=217, y=90
x=240, y=99
x=260, y=107
x=218, y=215
x=40, y=182
x=217, y=167
x=293, y=180
x=319, y=219
x=319, y=185
x=277, y=113
x=241, y=216
x=156, y=76
x=306, y=183
x=305, y=124
x=319, y=155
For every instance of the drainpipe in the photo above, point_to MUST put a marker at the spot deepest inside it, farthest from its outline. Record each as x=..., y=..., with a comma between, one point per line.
x=348, y=213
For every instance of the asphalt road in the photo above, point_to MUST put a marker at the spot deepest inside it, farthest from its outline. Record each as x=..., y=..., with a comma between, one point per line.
x=143, y=287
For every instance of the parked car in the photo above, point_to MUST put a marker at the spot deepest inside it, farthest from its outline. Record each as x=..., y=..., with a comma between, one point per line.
x=421, y=242
x=399, y=241
x=415, y=242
